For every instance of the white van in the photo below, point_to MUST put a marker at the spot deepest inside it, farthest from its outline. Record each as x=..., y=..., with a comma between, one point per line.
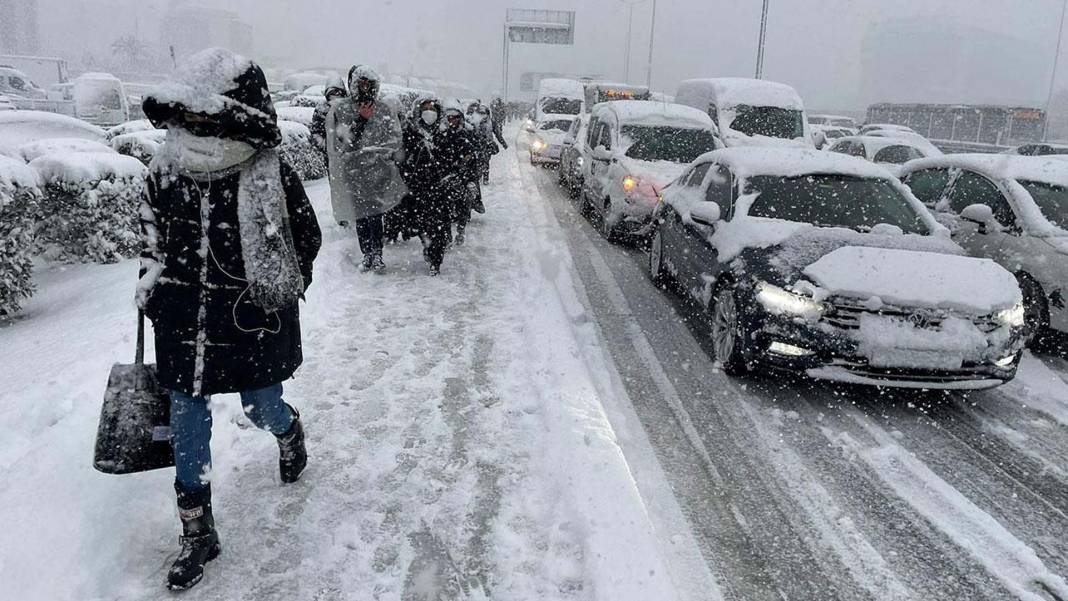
x=750, y=112
x=100, y=99
x=559, y=97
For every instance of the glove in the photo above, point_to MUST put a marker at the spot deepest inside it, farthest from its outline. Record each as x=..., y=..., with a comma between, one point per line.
x=367, y=110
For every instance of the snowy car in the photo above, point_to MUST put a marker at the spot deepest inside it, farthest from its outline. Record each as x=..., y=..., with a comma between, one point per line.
x=912, y=138
x=824, y=135
x=826, y=265
x=833, y=121
x=20, y=127
x=750, y=112
x=1040, y=149
x=569, y=173
x=633, y=149
x=873, y=127
x=15, y=83
x=549, y=137
x=1013, y=210
x=891, y=153
x=34, y=150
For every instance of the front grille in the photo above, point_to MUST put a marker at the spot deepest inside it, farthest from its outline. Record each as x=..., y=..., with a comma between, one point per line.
x=846, y=315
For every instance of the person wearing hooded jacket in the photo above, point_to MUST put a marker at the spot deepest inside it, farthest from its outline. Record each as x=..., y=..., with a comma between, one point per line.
x=424, y=170
x=458, y=147
x=335, y=90
x=364, y=145
x=228, y=238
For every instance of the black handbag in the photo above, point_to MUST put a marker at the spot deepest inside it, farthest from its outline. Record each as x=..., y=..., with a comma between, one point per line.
x=134, y=434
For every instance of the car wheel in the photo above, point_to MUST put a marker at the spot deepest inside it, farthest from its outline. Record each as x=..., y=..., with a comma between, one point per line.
x=728, y=332
x=1036, y=312
x=660, y=276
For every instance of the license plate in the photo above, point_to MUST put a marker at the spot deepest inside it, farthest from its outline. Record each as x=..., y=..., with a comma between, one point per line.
x=915, y=359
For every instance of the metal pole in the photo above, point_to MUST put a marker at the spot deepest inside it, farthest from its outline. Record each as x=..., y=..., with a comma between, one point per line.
x=505, y=61
x=630, y=30
x=1053, y=74
x=763, y=37
x=652, y=35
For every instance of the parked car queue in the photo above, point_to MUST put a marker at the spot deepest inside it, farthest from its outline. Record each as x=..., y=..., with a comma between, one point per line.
x=827, y=264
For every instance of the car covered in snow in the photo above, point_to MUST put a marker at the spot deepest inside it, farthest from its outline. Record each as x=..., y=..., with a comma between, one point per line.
x=558, y=96
x=833, y=121
x=826, y=265
x=750, y=112
x=1040, y=149
x=912, y=138
x=1012, y=209
x=873, y=127
x=824, y=135
x=891, y=153
x=549, y=137
x=16, y=83
x=20, y=127
x=569, y=172
x=633, y=149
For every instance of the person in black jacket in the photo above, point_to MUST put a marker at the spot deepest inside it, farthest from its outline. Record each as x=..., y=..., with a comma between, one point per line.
x=229, y=238
x=335, y=89
x=424, y=168
x=459, y=151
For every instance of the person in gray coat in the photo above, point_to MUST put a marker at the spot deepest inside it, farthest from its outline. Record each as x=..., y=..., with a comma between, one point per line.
x=364, y=147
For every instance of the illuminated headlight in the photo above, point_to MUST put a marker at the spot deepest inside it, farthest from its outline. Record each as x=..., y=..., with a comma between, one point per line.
x=1006, y=361
x=539, y=145
x=579, y=161
x=778, y=301
x=1013, y=317
x=789, y=350
x=630, y=183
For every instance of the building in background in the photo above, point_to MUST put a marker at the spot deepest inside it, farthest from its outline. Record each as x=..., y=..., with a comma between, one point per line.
x=19, y=33
x=189, y=28
x=938, y=60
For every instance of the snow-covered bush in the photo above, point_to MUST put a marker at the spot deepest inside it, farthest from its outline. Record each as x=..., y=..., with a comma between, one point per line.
x=308, y=100
x=141, y=145
x=19, y=197
x=90, y=204
x=34, y=150
x=298, y=151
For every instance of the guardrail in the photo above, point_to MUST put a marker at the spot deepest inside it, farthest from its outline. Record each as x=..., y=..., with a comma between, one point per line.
x=958, y=147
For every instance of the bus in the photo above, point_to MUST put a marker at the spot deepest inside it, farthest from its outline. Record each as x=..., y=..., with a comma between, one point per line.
x=971, y=123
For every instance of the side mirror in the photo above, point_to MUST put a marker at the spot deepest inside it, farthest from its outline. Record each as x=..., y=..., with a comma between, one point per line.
x=704, y=213
x=601, y=153
x=980, y=214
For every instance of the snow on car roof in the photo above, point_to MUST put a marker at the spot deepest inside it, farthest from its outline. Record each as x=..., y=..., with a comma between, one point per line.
x=86, y=166
x=15, y=173
x=877, y=143
x=1001, y=166
x=749, y=161
x=644, y=112
x=19, y=127
x=733, y=91
x=97, y=76
x=41, y=148
x=562, y=87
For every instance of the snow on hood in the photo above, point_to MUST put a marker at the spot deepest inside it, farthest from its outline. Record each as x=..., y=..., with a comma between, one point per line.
x=734, y=138
x=19, y=127
x=654, y=114
x=34, y=150
x=78, y=167
x=910, y=278
x=657, y=173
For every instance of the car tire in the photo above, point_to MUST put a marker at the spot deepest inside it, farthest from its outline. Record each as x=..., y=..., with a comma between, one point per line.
x=657, y=272
x=728, y=332
x=1036, y=312
x=585, y=206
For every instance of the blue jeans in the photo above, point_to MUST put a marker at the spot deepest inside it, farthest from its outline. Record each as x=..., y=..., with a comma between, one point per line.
x=191, y=428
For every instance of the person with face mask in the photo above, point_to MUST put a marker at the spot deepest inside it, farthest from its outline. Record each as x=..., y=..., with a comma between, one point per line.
x=335, y=90
x=228, y=242
x=425, y=167
x=459, y=147
x=364, y=145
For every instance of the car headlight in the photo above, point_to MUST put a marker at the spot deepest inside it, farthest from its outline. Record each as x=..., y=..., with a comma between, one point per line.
x=579, y=161
x=1013, y=317
x=630, y=183
x=779, y=302
x=539, y=145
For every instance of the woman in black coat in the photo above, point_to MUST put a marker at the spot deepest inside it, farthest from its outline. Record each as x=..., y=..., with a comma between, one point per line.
x=229, y=240
x=423, y=170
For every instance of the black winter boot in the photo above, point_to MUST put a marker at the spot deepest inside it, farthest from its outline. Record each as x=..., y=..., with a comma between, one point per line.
x=292, y=456
x=200, y=542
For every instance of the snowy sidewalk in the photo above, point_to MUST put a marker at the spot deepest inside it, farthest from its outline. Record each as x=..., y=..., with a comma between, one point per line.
x=458, y=446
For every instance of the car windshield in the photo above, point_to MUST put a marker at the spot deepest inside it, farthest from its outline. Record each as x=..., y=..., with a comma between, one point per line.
x=664, y=143
x=897, y=155
x=770, y=121
x=561, y=106
x=833, y=201
x=1051, y=200
x=560, y=125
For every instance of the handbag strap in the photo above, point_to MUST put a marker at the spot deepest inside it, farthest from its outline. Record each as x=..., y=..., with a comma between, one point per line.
x=139, y=358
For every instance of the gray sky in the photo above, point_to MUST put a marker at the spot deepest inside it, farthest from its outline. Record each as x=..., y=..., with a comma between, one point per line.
x=815, y=45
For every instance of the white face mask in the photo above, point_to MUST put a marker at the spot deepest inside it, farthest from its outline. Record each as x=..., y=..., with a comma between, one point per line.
x=476, y=118
x=429, y=117
x=205, y=154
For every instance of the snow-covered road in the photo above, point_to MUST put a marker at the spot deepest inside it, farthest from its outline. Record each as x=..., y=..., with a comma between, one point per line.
x=539, y=422
x=798, y=490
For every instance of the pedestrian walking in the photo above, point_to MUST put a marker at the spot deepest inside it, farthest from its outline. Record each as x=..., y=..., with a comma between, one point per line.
x=458, y=146
x=364, y=145
x=229, y=238
x=425, y=169
x=335, y=90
